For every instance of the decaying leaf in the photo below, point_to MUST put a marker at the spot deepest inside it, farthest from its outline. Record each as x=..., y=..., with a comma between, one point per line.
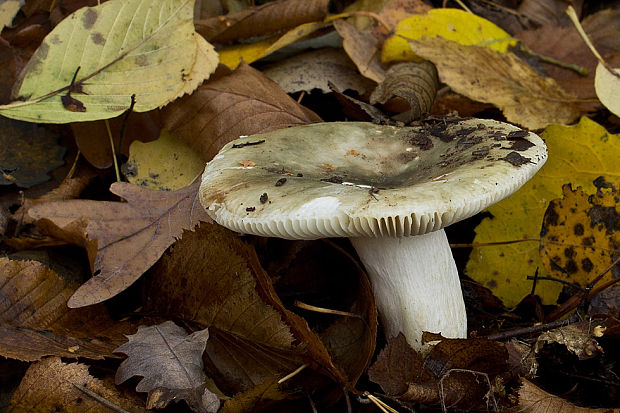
x=314, y=69
x=8, y=10
x=362, y=48
x=450, y=24
x=212, y=279
x=577, y=154
x=257, y=21
x=35, y=321
x=607, y=87
x=457, y=372
x=142, y=48
x=415, y=82
x=580, y=235
x=249, y=400
x=28, y=153
x=578, y=339
x=166, y=164
x=486, y=75
x=122, y=239
x=244, y=102
x=532, y=399
x=170, y=364
x=51, y=385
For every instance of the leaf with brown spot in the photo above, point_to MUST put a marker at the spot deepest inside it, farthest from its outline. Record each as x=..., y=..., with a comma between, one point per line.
x=35, y=321
x=260, y=20
x=53, y=386
x=170, y=363
x=243, y=102
x=210, y=278
x=122, y=239
x=487, y=75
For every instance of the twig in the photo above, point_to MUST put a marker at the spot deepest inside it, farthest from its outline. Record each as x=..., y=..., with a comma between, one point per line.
x=582, y=71
x=490, y=244
x=316, y=309
x=293, y=374
x=532, y=329
x=100, y=399
x=118, y=174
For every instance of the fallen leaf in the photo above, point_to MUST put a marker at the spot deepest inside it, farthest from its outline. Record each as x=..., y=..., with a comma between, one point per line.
x=233, y=55
x=578, y=339
x=363, y=49
x=250, y=400
x=577, y=154
x=533, y=399
x=450, y=24
x=29, y=152
x=122, y=239
x=212, y=279
x=34, y=311
x=244, y=102
x=260, y=20
x=487, y=75
x=547, y=13
x=119, y=49
x=315, y=69
x=170, y=364
x=414, y=82
x=166, y=164
x=580, y=236
x=607, y=87
x=51, y=385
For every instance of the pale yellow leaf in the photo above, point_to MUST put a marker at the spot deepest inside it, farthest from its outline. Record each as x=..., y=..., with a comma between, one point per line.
x=607, y=87
x=146, y=48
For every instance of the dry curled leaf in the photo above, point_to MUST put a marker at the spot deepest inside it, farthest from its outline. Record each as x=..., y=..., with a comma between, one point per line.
x=533, y=399
x=415, y=82
x=486, y=75
x=362, y=47
x=578, y=339
x=243, y=102
x=122, y=239
x=170, y=364
x=260, y=20
x=35, y=321
x=53, y=386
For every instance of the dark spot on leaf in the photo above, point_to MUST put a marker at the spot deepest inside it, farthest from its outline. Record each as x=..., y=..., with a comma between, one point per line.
x=571, y=267
x=586, y=264
x=89, y=18
x=587, y=241
x=492, y=284
x=97, y=38
x=569, y=252
x=515, y=159
x=578, y=230
x=551, y=216
x=142, y=60
x=608, y=216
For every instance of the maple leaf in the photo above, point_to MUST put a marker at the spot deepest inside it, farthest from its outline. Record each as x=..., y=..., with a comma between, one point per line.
x=122, y=239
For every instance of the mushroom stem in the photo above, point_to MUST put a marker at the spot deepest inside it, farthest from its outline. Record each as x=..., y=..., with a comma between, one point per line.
x=416, y=285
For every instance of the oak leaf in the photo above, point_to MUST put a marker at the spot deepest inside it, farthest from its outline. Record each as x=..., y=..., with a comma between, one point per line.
x=122, y=239
x=243, y=102
x=170, y=364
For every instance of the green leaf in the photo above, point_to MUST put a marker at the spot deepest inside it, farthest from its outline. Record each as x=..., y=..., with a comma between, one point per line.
x=146, y=48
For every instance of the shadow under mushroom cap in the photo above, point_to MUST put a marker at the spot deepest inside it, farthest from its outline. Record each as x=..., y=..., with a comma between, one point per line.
x=350, y=179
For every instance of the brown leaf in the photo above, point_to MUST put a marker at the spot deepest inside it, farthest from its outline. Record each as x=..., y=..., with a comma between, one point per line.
x=415, y=82
x=213, y=279
x=314, y=69
x=260, y=20
x=170, y=364
x=35, y=321
x=94, y=142
x=8, y=70
x=356, y=109
x=28, y=153
x=249, y=400
x=548, y=12
x=486, y=75
x=244, y=102
x=363, y=48
x=578, y=339
x=122, y=239
x=53, y=386
x=533, y=399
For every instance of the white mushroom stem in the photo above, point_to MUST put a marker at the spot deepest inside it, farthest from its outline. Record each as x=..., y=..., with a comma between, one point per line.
x=415, y=284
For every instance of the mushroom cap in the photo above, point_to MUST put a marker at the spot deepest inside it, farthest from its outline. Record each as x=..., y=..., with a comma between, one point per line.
x=358, y=179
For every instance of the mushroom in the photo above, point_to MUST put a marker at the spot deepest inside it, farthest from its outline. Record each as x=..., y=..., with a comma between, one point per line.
x=390, y=190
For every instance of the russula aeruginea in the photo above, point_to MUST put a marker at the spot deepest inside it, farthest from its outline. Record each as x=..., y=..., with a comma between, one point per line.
x=390, y=190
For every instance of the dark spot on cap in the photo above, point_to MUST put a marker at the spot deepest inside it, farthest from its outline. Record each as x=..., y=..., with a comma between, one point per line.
x=334, y=179
x=514, y=158
x=468, y=142
x=280, y=181
x=250, y=209
x=97, y=38
x=517, y=134
x=464, y=132
x=481, y=152
x=587, y=265
x=89, y=18
x=264, y=198
x=520, y=145
x=578, y=229
x=423, y=142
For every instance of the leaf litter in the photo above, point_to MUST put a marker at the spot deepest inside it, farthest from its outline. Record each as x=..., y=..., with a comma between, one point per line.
x=292, y=328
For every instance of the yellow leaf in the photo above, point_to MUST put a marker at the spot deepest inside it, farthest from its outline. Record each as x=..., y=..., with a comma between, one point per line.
x=146, y=48
x=607, y=87
x=8, y=10
x=579, y=237
x=452, y=24
x=231, y=56
x=165, y=164
x=577, y=154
